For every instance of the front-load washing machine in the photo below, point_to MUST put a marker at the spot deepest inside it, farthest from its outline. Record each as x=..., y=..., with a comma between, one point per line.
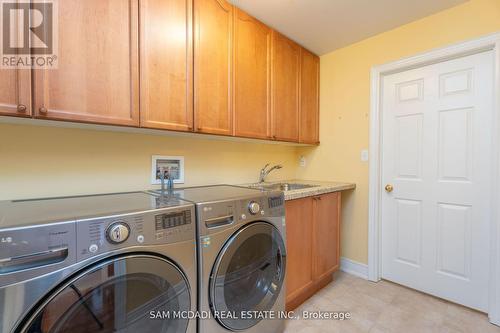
x=105, y=263
x=241, y=258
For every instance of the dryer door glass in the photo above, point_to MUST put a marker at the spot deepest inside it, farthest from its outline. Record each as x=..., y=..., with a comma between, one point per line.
x=248, y=276
x=131, y=293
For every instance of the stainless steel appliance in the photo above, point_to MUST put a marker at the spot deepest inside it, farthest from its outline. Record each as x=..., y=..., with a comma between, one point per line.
x=105, y=263
x=241, y=258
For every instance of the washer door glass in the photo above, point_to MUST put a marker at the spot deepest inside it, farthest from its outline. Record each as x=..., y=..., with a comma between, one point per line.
x=248, y=276
x=131, y=293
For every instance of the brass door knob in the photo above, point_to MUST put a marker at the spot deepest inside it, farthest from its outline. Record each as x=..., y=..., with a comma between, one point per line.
x=389, y=188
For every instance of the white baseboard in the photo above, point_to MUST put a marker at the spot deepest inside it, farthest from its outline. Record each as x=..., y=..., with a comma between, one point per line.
x=353, y=267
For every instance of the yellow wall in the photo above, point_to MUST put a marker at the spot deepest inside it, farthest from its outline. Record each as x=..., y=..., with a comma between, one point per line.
x=38, y=161
x=345, y=98
x=47, y=161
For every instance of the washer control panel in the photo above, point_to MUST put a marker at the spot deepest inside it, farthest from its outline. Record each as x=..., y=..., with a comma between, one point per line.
x=161, y=226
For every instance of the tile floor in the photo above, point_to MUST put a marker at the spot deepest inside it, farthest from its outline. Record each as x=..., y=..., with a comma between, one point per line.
x=386, y=307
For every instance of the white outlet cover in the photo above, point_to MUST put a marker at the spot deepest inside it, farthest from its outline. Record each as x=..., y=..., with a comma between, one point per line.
x=302, y=161
x=364, y=155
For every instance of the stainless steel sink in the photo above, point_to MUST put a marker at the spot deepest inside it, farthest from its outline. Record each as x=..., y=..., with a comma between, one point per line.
x=282, y=186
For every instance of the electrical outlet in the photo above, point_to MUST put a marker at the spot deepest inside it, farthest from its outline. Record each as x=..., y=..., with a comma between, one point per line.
x=302, y=161
x=364, y=155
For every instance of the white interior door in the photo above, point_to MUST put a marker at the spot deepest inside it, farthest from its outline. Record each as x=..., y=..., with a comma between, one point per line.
x=436, y=153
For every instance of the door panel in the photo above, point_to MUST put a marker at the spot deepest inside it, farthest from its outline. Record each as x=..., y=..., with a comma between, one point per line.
x=166, y=64
x=409, y=235
x=454, y=227
x=15, y=92
x=213, y=24
x=326, y=234
x=95, y=81
x=309, y=98
x=285, y=87
x=252, y=77
x=436, y=154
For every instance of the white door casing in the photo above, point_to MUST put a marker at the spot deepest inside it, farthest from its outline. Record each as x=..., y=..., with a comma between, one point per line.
x=436, y=152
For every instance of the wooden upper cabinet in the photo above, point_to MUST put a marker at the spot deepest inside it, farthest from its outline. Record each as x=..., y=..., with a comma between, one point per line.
x=213, y=33
x=15, y=91
x=285, y=88
x=252, y=76
x=166, y=64
x=97, y=75
x=327, y=235
x=309, y=98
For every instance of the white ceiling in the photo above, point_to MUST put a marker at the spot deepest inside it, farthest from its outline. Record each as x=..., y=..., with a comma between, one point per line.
x=325, y=25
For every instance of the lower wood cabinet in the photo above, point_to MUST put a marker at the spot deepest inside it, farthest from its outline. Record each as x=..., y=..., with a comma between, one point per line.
x=313, y=245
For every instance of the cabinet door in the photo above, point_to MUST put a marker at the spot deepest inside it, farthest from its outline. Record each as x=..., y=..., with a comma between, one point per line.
x=326, y=235
x=285, y=88
x=309, y=98
x=15, y=92
x=166, y=64
x=252, y=69
x=213, y=32
x=97, y=75
x=299, y=239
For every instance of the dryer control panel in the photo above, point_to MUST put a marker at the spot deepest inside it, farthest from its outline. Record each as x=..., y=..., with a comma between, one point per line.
x=264, y=206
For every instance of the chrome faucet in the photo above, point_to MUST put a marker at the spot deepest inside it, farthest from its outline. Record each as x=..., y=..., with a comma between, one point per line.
x=264, y=171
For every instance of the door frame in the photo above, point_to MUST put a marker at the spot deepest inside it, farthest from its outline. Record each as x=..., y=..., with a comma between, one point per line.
x=486, y=43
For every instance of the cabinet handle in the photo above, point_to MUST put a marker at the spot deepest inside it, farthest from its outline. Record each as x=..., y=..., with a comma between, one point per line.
x=21, y=108
x=42, y=110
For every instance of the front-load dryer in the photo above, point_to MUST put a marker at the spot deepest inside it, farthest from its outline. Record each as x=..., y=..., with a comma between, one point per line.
x=106, y=263
x=241, y=258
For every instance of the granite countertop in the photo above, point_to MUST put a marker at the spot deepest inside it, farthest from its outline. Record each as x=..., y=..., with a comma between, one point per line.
x=319, y=187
